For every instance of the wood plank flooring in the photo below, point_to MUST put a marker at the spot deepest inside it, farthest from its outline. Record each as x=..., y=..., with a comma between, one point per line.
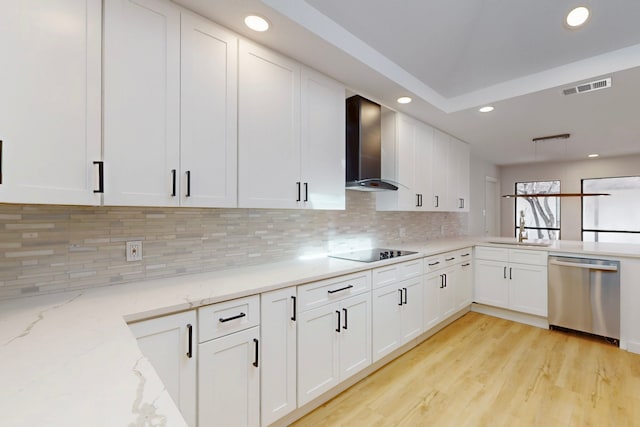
x=485, y=371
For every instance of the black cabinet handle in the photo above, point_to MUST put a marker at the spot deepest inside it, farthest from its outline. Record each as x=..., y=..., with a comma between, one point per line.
x=338, y=328
x=405, y=295
x=505, y=272
x=450, y=259
x=467, y=254
x=400, y=290
x=190, y=350
x=298, y=184
x=445, y=280
x=188, y=173
x=417, y=200
x=437, y=201
x=461, y=205
x=306, y=192
x=333, y=291
x=222, y=319
x=510, y=271
x=257, y=354
x=345, y=319
x=434, y=263
x=293, y=302
x=466, y=264
x=100, y=173
x=173, y=183
x=442, y=281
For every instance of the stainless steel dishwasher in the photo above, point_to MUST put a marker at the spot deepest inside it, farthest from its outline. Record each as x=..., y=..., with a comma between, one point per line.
x=584, y=295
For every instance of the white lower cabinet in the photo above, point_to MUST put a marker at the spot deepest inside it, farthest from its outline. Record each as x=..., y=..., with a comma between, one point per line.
x=169, y=344
x=229, y=363
x=278, y=319
x=397, y=315
x=334, y=342
x=464, y=281
x=520, y=286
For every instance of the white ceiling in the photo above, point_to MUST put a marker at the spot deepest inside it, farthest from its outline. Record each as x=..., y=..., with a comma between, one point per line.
x=453, y=57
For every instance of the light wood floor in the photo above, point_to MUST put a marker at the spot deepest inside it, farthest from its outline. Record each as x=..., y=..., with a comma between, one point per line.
x=484, y=371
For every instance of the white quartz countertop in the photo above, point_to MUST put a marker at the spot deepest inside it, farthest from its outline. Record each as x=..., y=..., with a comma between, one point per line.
x=70, y=360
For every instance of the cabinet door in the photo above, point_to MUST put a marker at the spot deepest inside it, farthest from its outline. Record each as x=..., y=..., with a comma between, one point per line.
x=208, y=104
x=278, y=354
x=386, y=325
x=229, y=380
x=439, y=163
x=432, y=286
x=462, y=164
x=323, y=141
x=355, y=335
x=423, y=153
x=268, y=129
x=408, y=199
x=491, y=286
x=50, y=114
x=165, y=342
x=317, y=352
x=528, y=289
x=141, y=102
x=464, y=285
x=412, y=308
x=448, y=292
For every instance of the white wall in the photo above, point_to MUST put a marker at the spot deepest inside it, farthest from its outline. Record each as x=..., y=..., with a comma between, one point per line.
x=480, y=169
x=570, y=175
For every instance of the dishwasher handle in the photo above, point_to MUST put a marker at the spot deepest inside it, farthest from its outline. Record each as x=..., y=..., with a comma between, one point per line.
x=585, y=265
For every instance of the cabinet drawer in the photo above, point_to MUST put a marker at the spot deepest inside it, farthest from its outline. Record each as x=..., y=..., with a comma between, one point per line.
x=521, y=256
x=227, y=317
x=433, y=263
x=465, y=255
x=451, y=258
x=323, y=292
x=492, y=254
x=383, y=276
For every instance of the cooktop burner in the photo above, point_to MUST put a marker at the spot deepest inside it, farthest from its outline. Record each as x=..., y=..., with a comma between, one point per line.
x=371, y=255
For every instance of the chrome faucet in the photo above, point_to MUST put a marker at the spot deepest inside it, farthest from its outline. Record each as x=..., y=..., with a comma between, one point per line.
x=522, y=235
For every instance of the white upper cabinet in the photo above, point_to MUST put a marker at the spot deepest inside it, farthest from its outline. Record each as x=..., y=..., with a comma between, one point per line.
x=208, y=112
x=406, y=159
x=141, y=102
x=439, y=174
x=458, y=175
x=291, y=134
x=50, y=114
x=170, y=107
x=268, y=129
x=323, y=141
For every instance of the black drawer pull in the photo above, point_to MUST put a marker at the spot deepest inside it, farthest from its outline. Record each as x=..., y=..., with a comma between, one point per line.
x=293, y=301
x=190, y=351
x=338, y=328
x=434, y=263
x=450, y=259
x=466, y=264
x=442, y=281
x=100, y=176
x=467, y=254
x=333, y=291
x=222, y=319
x=257, y=354
x=400, y=290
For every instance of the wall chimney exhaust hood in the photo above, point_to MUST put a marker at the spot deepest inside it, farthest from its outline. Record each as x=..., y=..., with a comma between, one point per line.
x=364, y=146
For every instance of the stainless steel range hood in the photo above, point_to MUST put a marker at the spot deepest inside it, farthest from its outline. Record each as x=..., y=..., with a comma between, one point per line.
x=364, y=142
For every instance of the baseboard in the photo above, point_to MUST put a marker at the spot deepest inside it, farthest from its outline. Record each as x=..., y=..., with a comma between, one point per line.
x=515, y=316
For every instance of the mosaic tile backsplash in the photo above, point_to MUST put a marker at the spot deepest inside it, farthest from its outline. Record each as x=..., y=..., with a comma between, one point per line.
x=46, y=249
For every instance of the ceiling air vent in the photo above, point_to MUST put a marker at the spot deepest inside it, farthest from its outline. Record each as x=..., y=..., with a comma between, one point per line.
x=588, y=87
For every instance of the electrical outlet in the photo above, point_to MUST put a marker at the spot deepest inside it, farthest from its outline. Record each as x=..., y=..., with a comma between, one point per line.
x=134, y=250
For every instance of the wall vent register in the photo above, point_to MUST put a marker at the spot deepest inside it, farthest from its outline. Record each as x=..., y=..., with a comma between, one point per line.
x=371, y=255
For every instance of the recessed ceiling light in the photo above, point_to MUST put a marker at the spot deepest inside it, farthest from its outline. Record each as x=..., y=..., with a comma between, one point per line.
x=577, y=16
x=486, y=109
x=256, y=23
x=404, y=100
x=593, y=155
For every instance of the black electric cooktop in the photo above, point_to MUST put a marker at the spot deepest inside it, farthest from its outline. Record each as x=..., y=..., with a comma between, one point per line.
x=371, y=255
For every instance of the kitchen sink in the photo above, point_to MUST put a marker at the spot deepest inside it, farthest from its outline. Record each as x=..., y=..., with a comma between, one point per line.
x=540, y=243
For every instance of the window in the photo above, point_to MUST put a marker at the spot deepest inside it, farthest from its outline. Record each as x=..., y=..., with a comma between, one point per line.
x=541, y=214
x=614, y=218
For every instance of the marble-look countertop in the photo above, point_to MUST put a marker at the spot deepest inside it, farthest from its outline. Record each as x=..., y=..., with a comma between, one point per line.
x=70, y=360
